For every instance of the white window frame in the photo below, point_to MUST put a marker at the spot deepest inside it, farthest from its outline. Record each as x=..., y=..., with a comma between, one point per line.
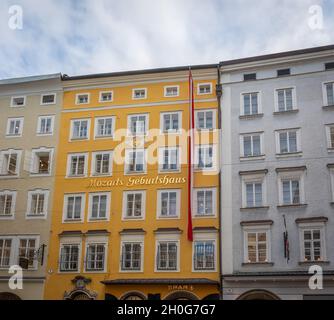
x=72, y=138
x=17, y=97
x=294, y=99
x=11, y=216
x=21, y=121
x=90, y=205
x=162, y=156
x=96, y=241
x=214, y=120
x=330, y=143
x=4, y=153
x=167, y=239
x=178, y=204
x=199, y=85
x=214, y=157
x=259, y=103
x=125, y=205
x=82, y=94
x=140, y=98
x=129, y=133
x=17, y=246
x=33, y=164
x=257, y=229
x=96, y=135
x=291, y=175
x=132, y=239
x=278, y=144
x=48, y=103
x=101, y=93
x=12, y=253
x=324, y=92
x=93, y=165
x=331, y=174
x=242, y=150
x=171, y=131
x=126, y=165
x=69, y=164
x=82, y=213
x=75, y=241
x=204, y=237
x=46, y=194
x=171, y=87
x=214, y=203
x=254, y=178
x=39, y=122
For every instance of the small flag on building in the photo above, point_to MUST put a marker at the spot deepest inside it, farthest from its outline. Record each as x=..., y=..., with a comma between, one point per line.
x=286, y=242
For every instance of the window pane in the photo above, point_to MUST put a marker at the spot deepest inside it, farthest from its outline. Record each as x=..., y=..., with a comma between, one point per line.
x=289, y=102
x=256, y=146
x=247, y=146
x=283, y=142
x=247, y=102
x=330, y=93
x=254, y=103
x=292, y=141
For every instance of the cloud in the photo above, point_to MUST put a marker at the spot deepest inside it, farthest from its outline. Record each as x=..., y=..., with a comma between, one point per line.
x=79, y=37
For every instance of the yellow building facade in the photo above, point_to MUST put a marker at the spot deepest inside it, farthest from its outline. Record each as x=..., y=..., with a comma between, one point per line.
x=120, y=210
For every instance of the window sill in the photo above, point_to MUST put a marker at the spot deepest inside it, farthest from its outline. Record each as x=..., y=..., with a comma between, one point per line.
x=278, y=113
x=76, y=177
x=288, y=206
x=13, y=135
x=36, y=216
x=72, y=220
x=330, y=107
x=133, y=218
x=9, y=176
x=251, y=116
x=40, y=174
x=104, y=137
x=204, y=216
x=258, y=264
x=264, y=208
x=289, y=154
x=330, y=150
x=302, y=263
x=253, y=158
x=79, y=139
x=98, y=219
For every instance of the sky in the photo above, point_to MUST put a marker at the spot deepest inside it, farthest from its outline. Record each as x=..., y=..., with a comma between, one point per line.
x=92, y=36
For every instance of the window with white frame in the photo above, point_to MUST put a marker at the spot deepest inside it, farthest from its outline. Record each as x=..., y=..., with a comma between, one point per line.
x=168, y=203
x=253, y=190
x=27, y=250
x=74, y=207
x=104, y=127
x=205, y=119
x=167, y=254
x=69, y=257
x=106, y=96
x=169, y=159
x=45, y=125
x=82, y=98
x=134, y=204
x=204, y=88
x=250, y=103
x=171, y=91
x=99, y=205
x=312, y=237
x=139, y=93
x=170, y=122
x=288, y=141
x=7, y=203
x=285, y=99
x=330, y=136
x=257, y=245
x=204, y=255
x=41, y=161
x=205, y=202
x=138, y=124
x=205, y=157
x=14, y=127
x=95, y=257
x=251, y=145
x=77, y=164
x=10, y=162
x=291, y=186
x=329, y=94
x=102, y=163
x=37, y=203
x=135, y=161
x=18, y=101
x=5, y=252
x=80, y=129
x=47, y=99
x=131, y=256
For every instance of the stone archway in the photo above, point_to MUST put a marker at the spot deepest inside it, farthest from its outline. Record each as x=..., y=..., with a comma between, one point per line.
x=9, y=296
x=135, y=295
x=258, y=295
x=181, y=295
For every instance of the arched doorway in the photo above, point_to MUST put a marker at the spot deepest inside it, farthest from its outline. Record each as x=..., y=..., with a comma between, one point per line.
x=258, y=295
x=80, y=296
x=8, y=296
x=135, y=295
x=181, y=295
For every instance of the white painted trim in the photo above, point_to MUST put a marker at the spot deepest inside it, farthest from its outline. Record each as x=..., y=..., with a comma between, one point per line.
x=170, y=87
x=82, y=213
x=69, y=162
x=103, y=92
x=96, y=136
x=75, y=241
x=21, y=121
x=12, y=209
x=205, y=239
x=93, y=164
x=180, y=124
x=178, y=204
x=214, y=203
x=178, y=255
x=202, y=84
x=125, y=205
x=43, y=216
x=294, y=98
x=139, y=89
x=129, y=133
x=71, y=138
x=15, y=97
x=87, y=244
x=18, y=163
x=254, y=178
x=90, y=204
x=161, y=159
x=289, y=175
x=126, y=165
x=82, y=94
x=132, y=239
x=48, y=94
x=39, y=121
x=259, y=102
x=214, y=119
x=33, y=165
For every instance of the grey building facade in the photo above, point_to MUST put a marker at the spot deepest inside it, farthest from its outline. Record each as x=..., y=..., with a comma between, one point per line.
x=277, y=188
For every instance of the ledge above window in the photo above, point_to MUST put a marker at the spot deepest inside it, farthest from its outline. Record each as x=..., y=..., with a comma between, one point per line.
x=289, y=154
x=302, y=263
x=294, y=111
x=292, y=206
x=253, y=158
x=258, y=264
x=251, y=116
x=330, y=107
x=263, y=208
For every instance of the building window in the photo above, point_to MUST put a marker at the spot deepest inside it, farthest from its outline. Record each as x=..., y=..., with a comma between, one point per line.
x=204, y=88
x=7, y=204
x=204, y=255
x=99, y=204
x=134, y=204
x=37, y=203
x=171, y=91
x=27, y=249
x=249, y=76
x=135, y=161
x=167, y=253
x=329, y=94
x=330, y=136
x=80, y=129
x=170, y=122
x=205, y=202
x=253, y=190
x=41, y=161
x=205, y=119
x=74, y=207
x=285, y=100
x=250, y=104
x=251, y=145
x=47, y=99
x=69, y=258
x=329, y=66
x=168, y=203
x=139, y=94
x=257, y=246
x=95, y=257
x=288, y=141
x=104, y=127
x=10, y=162
x=102, y=163
x=82, y=98
x=291, y=186
x=312, y=245
x=5, y=252
x=138, y=125
x=169, y=159
x=14, y=127
x=131, y=256
x=18, y=101
x=291, y=193
x=77, y=165
x=45, y=125
x=204, y=157
x=106, y=96
x=283, y=72
x=254, y=195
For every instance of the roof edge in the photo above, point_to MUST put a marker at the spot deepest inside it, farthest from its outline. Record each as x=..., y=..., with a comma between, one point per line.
x=31, y=79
